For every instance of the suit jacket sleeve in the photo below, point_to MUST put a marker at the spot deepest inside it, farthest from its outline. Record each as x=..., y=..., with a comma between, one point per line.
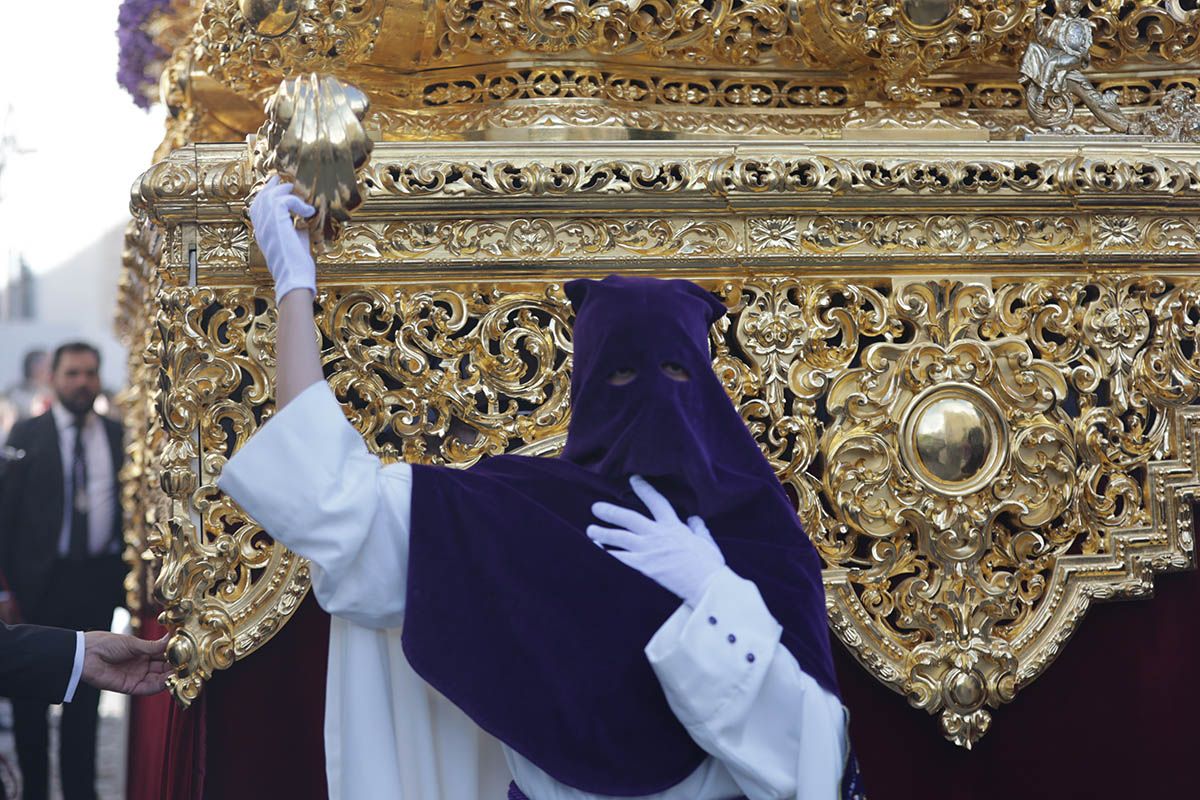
x=36, y=662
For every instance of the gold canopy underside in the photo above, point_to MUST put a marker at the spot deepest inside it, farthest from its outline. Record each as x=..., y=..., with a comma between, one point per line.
x=452, y=69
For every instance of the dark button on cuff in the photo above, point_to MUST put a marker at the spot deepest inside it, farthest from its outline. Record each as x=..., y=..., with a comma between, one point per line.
x=712, y=620
x=750, y=657
x=732, y=638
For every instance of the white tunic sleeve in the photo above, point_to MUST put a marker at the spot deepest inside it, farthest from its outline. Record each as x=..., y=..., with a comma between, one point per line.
x=744, y=699
x=308, y=479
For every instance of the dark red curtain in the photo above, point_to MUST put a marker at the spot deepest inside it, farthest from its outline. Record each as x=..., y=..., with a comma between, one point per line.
x=1113, y=717
x=165, y=755
x=264, y=716
x=255, y=732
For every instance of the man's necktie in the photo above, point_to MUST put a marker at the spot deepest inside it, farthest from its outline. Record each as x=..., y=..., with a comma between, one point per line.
x=79, y=501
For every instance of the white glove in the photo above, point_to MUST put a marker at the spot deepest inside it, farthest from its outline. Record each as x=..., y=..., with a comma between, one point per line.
x=681, y=558
x=287, y=250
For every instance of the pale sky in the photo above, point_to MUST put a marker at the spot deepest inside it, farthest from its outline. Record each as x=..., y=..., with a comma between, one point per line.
x=58, y=66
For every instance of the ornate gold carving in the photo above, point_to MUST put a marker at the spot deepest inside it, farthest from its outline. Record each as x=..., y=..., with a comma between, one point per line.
x=625, y=85
x=1052, y=72
x=979, y=446
x=270, y=17
x=928, y=234
x=936, y=485
x=314, y=138
x=326, y=36
x=922, y=522
x=812, y=174
x=727, y=31
x=711, y=198
x=223, y=584
x=532, y=237
x=1144, y=30
x=966, y=516
x=888, y=35
x=453, y=68
x=139, y=490
x=223, y=244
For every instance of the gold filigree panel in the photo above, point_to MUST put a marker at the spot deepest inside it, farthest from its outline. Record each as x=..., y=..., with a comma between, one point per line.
x=327, y=36
x=904, y=239
x=490, y=364
x=907, y=40
x=140, y=491
x=976, y=461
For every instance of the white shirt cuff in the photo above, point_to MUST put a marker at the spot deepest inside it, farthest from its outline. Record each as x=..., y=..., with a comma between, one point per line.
x=721, y=649
x=77, y=670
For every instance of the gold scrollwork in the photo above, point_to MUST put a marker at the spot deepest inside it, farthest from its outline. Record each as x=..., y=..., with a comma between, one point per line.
x=455, y=67
x=904, y=50
x=397, y=359
x=972, y=460
x=937, y=233
x=727, y=31
x=961, y=478
x=532, y=237
x=325, y=36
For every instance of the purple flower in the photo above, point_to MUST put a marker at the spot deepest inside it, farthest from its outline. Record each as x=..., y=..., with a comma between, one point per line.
x=138, y=51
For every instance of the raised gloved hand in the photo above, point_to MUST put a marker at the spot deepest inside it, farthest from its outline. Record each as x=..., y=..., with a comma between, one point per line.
x=286, y=249
x=681, y=558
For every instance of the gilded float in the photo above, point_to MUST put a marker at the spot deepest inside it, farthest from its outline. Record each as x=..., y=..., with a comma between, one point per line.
x=970, y=354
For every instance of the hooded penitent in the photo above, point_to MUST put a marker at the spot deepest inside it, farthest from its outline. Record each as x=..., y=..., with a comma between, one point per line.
x=537, y=634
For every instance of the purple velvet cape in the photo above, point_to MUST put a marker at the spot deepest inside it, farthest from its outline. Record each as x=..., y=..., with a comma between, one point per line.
x=536, y=633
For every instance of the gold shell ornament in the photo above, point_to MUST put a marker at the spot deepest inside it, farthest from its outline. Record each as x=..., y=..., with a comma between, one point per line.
x=314, y=138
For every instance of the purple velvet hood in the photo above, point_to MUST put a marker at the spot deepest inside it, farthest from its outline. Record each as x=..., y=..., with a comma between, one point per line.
x=538, y=635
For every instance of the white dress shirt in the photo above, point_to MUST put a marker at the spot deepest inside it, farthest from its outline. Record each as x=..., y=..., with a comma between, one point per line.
x=307, y=477
x=101, y=482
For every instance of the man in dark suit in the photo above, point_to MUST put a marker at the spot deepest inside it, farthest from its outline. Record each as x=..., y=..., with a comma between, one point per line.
x=60, y=545
x=47, y=664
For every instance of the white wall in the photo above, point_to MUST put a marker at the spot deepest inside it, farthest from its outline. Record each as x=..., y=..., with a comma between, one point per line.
x=74, y=300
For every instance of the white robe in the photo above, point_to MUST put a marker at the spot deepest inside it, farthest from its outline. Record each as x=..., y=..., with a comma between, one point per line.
x=307, y=477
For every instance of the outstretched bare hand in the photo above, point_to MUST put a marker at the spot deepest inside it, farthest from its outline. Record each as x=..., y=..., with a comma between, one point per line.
x=124, y=664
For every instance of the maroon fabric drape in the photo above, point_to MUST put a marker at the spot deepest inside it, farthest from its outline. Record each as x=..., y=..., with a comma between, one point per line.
x=264, y=717
x=164, y=758
x=1112, y=717
x=147, y=741
x=256, y=730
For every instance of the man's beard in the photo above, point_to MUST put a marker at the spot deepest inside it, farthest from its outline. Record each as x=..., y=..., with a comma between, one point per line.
x=79, y=403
